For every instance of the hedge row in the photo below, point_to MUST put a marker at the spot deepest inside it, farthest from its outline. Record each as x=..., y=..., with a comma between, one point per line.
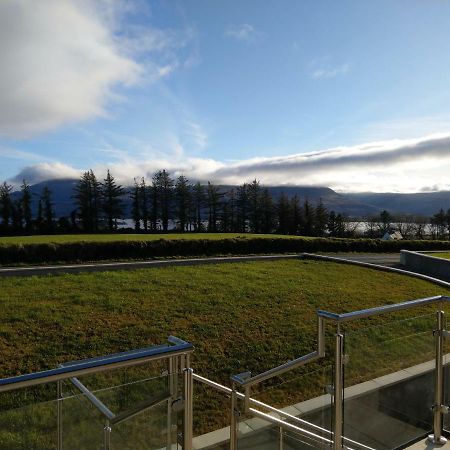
x=95, y=251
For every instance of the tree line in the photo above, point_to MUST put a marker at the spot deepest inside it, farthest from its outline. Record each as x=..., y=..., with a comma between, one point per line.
x=163, y=203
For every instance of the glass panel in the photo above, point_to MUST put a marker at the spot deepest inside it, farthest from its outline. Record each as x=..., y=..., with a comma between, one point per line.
x=211, y=417
x=136, y=407
x=302, y=395
x=257, y=433
x=82, y=423
x=301, y=399
x=28, y=419
x=446, y=362
x=141, y=408
x=389, y=387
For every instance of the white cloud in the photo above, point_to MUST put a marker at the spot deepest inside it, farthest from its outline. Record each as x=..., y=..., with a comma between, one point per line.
x=12, y=153
x=395, y=165
x=197, y=135
x=46, y=171
x=62, y=60
x=324, y=68
x=243, y=32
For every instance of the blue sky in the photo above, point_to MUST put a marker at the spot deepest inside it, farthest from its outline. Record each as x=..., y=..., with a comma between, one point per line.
x=354, y=95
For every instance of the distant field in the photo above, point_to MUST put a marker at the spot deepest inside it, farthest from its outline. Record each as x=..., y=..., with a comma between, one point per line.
x=63, y=238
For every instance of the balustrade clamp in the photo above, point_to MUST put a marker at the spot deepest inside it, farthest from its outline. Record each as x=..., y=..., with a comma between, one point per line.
x=178, y=404
x=443, y=409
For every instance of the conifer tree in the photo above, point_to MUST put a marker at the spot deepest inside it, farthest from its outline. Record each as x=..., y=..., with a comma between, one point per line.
x=112, y=205
x=320, y=219
x=87, y=198
x=17, y=216
x=254, y=197
x=136, y=206
x=25, y=201
x=242, y=208
x=163, y=190
x=308, y=219
x=284, y=213
x=144, y=203
x=295, y=216
x=5, y=204
x=182, y=200
x=268, y=212
x=48, y=213
x=39, y=217
x=213, y=197
x=198, y=203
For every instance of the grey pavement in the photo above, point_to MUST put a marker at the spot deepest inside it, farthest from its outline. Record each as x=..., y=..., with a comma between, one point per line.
x=384, y=259
x=387, y=259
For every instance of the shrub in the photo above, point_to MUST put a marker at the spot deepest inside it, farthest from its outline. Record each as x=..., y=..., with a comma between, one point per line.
x=96, y=251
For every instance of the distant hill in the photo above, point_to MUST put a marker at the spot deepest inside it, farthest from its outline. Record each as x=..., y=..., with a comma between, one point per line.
x=62, y=191
x=340, y=203
x=422, y=203
x=352, y=204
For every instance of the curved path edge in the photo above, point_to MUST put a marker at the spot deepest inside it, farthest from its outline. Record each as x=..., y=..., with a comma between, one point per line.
x=131, y=265
x=377, y=267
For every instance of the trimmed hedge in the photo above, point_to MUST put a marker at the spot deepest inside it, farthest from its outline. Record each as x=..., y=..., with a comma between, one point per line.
x=96, y=251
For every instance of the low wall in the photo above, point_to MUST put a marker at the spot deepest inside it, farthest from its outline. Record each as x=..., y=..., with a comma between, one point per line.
x=428, y=265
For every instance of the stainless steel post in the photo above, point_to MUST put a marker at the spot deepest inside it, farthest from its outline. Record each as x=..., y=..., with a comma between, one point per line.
x=171, y=369
x=280, y=442
x=436, y=437
x=59, y=395
x=188, y=408
x=107, y=437
x=234, y=420
x=338, y=391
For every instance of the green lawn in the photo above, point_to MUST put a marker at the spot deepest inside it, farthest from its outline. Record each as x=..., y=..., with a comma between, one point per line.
x=233, y=313
x=240, y=316
x=445, y=255
x=63, y=238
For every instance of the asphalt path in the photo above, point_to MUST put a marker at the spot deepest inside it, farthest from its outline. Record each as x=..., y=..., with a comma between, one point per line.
x=131, y=265
x=387, y=259
x=383, y=259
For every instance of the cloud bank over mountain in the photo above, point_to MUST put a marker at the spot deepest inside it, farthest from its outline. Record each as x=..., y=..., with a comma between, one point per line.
x=397, y=165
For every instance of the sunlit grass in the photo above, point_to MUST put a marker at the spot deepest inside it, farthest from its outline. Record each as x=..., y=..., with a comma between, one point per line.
x=445, y=255
x=240, y=316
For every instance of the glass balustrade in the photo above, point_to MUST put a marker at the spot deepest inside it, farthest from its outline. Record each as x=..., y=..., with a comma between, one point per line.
x=140, y=403
x=384, y=379
x=389, y=382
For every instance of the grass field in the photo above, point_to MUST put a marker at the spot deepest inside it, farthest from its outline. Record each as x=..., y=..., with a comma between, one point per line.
x=242, y=316
x=233, y=313
x=63, y=238
x=445, y=255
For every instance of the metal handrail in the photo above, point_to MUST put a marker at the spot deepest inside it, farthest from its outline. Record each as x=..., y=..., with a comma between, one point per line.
x=246, y=380
x=94, y=365
x=364, y=313
x=286, y=367
x=301, y=422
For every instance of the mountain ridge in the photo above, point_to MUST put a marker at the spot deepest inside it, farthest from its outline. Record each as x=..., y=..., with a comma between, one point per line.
x=350, y=203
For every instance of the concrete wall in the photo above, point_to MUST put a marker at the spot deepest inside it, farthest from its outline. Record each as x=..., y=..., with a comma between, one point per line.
x=432, y=266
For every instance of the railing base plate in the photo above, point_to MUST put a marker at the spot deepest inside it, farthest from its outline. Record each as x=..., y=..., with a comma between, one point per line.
x=440, y=441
